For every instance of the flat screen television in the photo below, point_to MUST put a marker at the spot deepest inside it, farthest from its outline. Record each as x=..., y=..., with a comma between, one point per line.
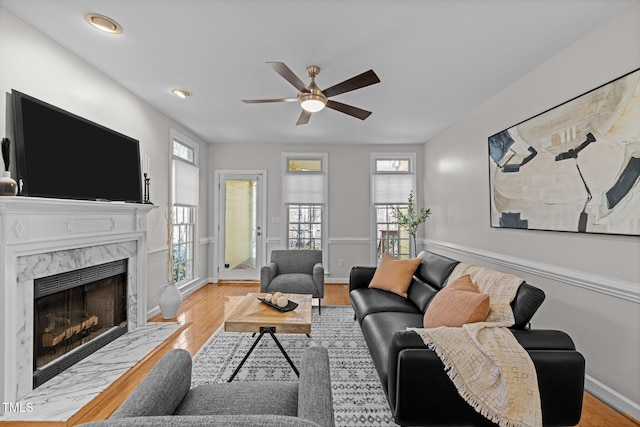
x=62, y=155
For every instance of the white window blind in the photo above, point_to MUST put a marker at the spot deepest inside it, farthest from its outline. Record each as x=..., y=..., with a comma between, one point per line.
x=304, y=188
x=187, y=184
x=390, y=188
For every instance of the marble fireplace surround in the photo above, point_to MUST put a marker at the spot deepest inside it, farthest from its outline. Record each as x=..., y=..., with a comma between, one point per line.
x=41, y=237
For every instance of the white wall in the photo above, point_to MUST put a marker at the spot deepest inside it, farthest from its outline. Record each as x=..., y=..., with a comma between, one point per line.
x=350, y=236
x=592, y=282
x=34, y=64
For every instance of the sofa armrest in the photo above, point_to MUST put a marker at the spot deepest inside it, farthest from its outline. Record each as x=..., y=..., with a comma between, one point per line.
x=205, y=420
x=314, y=390
x=267, y=273
x=418, y=383
x=318, y=278
x=359, y=277
x=162, y=390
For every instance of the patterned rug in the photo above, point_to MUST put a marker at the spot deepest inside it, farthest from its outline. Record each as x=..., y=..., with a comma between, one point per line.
x=358, y=397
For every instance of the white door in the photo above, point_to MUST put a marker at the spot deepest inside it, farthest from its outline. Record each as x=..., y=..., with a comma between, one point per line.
x=240, y=226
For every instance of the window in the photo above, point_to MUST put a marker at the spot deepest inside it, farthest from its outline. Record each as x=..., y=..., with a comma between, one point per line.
x=392, y=179
x=305, y=227
x=182, y=245
x=184, y=201
x=304, y=196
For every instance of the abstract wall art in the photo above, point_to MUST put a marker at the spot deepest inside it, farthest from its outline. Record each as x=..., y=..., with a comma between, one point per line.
x=574, y=167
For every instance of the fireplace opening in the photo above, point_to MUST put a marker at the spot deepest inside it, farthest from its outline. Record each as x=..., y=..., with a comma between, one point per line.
x=75, y=314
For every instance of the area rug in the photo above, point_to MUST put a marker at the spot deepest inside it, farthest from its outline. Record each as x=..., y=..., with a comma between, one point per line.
x=358, y=397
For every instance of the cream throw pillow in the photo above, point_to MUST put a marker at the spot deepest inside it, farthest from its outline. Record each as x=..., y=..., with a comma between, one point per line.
x=457, y=304
x=394, y=275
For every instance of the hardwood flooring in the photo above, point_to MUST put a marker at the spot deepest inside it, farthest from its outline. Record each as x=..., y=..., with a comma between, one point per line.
x=203, y=313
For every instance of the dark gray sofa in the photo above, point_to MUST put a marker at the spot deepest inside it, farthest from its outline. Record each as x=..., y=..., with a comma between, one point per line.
x=164, y=398
x=418, y=389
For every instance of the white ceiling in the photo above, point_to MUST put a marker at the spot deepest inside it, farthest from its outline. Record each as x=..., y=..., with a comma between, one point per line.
x=437, y=60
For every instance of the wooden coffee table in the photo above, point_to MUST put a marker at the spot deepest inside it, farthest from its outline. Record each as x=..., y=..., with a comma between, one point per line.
x=249, y=314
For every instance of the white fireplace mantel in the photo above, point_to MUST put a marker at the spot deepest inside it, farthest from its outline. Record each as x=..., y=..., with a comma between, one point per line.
x=40, y=237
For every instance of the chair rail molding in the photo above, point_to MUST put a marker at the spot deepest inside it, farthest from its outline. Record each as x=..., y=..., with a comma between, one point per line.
x=606, y=285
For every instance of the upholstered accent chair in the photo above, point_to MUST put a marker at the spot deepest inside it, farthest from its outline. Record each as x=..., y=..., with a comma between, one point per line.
x=165, y=398
x=294, y=272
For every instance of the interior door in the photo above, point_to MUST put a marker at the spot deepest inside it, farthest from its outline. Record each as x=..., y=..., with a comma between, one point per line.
x=240, y=227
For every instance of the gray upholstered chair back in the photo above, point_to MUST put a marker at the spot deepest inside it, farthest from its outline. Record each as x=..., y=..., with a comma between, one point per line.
x=296, y=261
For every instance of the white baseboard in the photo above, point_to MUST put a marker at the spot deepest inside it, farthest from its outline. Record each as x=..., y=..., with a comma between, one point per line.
x=612, y=397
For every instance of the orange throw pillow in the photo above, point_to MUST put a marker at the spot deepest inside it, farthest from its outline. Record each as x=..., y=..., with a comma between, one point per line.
x=394, y=275
x=456, y=304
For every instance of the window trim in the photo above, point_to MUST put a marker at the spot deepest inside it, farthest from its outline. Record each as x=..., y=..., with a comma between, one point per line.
x=374, y=157
x=324, y=158
x=174, y=135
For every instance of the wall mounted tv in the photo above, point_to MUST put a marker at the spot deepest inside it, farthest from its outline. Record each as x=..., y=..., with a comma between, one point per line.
x=61, y=155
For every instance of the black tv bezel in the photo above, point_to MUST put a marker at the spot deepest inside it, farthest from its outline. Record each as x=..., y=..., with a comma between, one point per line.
x=21, y=161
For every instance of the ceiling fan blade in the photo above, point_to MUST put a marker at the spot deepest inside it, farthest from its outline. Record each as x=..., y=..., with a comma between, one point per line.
x=365, y=79
x=348, y=109
x=304, y=118
x=282, y=69
x=262, y=101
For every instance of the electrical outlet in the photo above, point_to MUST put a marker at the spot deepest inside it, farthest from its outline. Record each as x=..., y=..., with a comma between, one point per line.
x=341, y=262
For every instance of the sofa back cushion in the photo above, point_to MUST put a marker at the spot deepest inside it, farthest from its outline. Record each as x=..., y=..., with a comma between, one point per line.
x=434, y=269
x=421, y=293
x=526, y=302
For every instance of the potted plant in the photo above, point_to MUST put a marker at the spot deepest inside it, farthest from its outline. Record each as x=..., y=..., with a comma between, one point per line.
x=170, y=296
x=410, y=220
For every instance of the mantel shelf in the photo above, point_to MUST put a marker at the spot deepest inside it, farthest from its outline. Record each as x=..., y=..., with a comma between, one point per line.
x=40, y=205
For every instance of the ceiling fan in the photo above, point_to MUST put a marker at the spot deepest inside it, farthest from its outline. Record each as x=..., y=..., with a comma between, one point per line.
x=312, y=99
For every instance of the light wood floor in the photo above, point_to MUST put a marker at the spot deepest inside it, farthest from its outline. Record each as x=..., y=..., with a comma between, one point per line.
x=203, y=313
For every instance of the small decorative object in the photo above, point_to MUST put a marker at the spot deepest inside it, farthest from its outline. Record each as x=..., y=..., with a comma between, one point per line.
x=410, y=220
x=276, y=296
x=170, y=296
x=147, y=167
x=282, y=304
x=8, y=186
x=268, y=297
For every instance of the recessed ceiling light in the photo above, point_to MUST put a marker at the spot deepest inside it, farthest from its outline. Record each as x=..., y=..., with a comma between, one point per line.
x=181, y=93
x=103, y=23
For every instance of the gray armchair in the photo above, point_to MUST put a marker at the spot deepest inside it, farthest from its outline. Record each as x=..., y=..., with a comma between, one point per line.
x=294, y=272
x=164, y=398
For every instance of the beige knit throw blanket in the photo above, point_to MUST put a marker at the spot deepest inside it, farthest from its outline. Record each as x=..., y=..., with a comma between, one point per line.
x=490, y=369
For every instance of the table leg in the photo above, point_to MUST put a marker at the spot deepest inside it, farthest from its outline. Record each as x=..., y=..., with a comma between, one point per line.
x=255, y=343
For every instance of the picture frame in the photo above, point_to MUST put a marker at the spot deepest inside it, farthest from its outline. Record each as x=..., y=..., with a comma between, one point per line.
x=574, y=167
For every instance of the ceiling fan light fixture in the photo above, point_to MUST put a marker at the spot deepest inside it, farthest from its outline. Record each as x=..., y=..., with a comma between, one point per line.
x=103, y=23
x=312, y=102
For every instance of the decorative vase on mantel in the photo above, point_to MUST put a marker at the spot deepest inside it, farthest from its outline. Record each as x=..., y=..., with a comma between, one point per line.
x=170, y=300
x=8, y=186
x=170, y=296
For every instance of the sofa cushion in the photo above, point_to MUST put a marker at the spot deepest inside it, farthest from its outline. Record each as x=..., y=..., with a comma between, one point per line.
x=420, y=293
x=457, y=304
x=435, y=269
x=366, y=301
x=241, y=398
x=378, y=329
x=394, y=275
x=525, y=304
x=292, y=283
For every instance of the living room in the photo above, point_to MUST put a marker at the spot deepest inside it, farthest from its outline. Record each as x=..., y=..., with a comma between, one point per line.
x=592, y=281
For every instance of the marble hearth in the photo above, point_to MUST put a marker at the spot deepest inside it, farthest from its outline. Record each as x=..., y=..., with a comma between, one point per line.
x=41, y=237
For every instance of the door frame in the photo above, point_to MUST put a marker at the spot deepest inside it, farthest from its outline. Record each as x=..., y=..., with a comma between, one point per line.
x=219, y=219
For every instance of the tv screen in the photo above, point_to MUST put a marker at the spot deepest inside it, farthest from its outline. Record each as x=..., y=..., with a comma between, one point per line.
x=61, y=155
